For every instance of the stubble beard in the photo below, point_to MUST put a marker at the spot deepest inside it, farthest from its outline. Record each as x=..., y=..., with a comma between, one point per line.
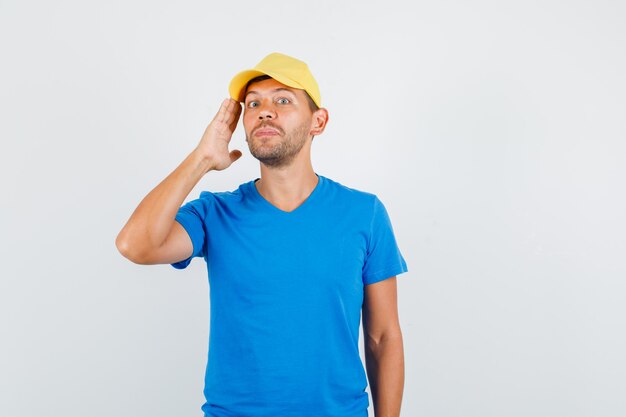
x=283, y=151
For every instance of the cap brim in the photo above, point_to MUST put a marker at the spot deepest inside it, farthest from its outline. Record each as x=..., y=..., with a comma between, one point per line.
x=239, y=81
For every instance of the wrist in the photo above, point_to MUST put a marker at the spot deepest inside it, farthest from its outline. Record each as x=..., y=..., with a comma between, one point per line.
x=202, y=161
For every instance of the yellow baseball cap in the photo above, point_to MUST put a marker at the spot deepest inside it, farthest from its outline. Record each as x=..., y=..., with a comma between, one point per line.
x=284, y=69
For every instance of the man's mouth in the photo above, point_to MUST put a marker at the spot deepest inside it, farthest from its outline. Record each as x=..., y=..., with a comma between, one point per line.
x=266, y=131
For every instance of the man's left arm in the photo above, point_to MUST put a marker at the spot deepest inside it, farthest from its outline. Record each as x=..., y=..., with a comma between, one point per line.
x=384, y=351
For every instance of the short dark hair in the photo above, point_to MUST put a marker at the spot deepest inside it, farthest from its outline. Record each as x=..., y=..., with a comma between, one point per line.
x=312, y=106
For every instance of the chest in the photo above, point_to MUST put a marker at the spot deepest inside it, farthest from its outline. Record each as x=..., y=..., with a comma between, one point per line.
x=290, y=257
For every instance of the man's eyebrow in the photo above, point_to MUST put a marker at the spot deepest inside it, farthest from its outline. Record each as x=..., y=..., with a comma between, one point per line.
x=273, y=91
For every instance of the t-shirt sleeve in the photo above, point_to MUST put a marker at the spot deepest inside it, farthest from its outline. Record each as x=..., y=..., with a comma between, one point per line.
x=383, y=257
x=191, y=216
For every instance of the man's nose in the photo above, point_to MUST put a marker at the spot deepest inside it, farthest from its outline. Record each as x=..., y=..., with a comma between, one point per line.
x=266, y=112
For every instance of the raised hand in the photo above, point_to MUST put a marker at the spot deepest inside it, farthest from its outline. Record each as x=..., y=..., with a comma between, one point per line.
x=217, y=135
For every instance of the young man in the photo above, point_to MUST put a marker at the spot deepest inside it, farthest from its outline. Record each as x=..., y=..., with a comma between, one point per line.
x=293, y=258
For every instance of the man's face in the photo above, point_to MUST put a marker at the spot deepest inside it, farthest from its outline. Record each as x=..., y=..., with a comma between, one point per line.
x=277, y=121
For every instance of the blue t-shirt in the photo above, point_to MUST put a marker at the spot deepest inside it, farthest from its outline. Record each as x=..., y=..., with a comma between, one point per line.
x=286, y=291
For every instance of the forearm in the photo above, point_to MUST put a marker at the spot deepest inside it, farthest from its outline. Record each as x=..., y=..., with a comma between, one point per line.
x=152, y=220
x=385, y=371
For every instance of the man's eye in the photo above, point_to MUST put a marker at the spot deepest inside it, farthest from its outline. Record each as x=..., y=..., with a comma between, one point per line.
x=250, y=104
x=286, y=100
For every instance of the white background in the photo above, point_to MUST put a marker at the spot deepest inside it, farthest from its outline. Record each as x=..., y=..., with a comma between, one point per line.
x=493, y=131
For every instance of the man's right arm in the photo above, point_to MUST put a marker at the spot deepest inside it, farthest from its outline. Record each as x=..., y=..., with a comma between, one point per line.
x=152, y=235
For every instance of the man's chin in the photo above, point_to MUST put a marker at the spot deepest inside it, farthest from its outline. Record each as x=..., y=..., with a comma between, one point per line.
x=267, y=159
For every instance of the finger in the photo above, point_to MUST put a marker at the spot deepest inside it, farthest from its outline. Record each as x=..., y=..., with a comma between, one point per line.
x=233, y=109
x=230, y=109
x=234, y=155
x=222, y=113
x=235, y=117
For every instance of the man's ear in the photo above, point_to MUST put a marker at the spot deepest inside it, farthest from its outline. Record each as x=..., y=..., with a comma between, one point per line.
x=320, y=119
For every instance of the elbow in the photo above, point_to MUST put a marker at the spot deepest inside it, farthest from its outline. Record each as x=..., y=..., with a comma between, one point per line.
x=126, y=250
x=123, y=247
x=379, y=342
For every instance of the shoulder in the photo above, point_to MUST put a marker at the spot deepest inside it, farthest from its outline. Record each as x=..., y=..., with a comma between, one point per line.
x=363, y=205
x=222, y=197
x=352, y=201
x=209, y=201
x=351, y=194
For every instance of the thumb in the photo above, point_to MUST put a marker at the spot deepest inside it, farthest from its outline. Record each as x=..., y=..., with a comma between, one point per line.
x=234, y=155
